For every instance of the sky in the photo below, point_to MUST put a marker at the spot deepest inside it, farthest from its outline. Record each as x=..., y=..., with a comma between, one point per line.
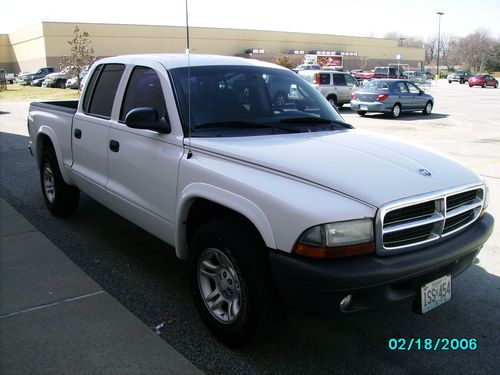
x=358, y=18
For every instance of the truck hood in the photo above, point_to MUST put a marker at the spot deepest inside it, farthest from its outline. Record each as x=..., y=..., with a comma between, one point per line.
x=368, y=167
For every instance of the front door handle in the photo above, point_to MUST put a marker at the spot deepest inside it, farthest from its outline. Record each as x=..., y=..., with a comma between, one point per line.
x=114, y=145
x=78, y=133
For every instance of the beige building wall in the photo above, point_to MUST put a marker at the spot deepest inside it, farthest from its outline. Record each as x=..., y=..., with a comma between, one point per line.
x=46, y=43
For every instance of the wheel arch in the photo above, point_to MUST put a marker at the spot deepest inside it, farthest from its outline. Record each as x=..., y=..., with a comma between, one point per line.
x=46, y=139
x=200, y=202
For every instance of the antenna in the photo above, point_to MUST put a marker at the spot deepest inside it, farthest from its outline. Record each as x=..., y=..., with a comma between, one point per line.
x=188, y=53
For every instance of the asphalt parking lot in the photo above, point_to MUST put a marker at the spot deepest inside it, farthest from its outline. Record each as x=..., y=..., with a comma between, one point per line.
x=145, y=277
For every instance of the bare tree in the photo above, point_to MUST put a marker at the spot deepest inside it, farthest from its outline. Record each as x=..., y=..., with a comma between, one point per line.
x=430, y=49
x=448, y=50
x=286, y=61
x=81, y=54
x=474, y=49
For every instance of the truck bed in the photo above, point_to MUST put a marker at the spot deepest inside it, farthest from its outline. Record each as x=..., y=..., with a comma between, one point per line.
x=68, y=106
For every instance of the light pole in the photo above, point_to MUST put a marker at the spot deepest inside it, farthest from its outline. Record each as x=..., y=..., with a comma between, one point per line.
x=439, y=42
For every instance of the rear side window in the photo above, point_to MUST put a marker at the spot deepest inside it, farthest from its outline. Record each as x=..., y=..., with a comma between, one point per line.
x=102, y=88
x=143, y=90
x=339, y=80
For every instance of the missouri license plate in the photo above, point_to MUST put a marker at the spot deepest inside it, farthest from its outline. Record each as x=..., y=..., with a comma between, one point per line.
x=436, y=293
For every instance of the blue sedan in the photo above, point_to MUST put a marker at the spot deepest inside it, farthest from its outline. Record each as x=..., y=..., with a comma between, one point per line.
x=392, y=96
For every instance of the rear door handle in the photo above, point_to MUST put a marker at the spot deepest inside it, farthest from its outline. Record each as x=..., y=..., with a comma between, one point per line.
x=78, y=133
x=114, y=145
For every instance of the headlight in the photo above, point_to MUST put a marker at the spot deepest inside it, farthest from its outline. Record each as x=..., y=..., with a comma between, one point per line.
x=337, y=240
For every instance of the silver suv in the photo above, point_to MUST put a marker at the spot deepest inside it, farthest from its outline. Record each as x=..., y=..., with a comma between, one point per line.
x=337, y=87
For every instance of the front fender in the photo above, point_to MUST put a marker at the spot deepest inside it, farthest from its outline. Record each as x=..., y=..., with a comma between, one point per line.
x=225, y=198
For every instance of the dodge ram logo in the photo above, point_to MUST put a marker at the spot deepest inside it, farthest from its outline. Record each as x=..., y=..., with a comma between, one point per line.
x=424, y=172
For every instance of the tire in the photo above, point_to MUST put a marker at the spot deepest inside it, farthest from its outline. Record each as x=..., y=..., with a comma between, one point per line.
x=496, y=85
x=396, y=110
x=361, y=113
x=340, y=105
x=60, y=84
x=470, y=85
x=333, y=100
x=461, y=81
x=449, y=81
x=428, y=108
x=484, y=85
x=230, y=281
x=60, y=198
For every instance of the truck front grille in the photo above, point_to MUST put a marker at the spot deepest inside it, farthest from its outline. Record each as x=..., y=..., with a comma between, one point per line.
x=406, y=225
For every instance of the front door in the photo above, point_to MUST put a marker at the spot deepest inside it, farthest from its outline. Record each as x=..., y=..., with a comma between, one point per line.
x=143, y=164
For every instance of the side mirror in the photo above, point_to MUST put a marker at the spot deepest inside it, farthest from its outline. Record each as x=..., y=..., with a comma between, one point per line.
x=147, y=118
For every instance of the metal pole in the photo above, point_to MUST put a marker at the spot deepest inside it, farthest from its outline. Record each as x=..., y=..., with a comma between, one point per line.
x=439, y=42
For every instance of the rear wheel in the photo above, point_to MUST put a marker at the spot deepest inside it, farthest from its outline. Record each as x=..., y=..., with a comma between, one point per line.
x=484, y=85
x=60, y=84
x=449, y=81
x=333, y=100
x=361, y=113
x=339, y=105
x=461, y=81
x=60, y=198
x=396, y=110
x=428, y=108
x=230, y=281
x=470, y=85
x=496, y=85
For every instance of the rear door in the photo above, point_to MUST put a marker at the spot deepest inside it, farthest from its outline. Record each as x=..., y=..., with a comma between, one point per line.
x=343, y=91
x=91, y=128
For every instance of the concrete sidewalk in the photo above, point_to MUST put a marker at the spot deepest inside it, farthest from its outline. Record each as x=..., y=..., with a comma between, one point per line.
x=54, y=319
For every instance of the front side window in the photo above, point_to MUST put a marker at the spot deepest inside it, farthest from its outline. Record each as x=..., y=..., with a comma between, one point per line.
x=350, y=81
x=413, y=89
x=143, y=90
x=243, y=100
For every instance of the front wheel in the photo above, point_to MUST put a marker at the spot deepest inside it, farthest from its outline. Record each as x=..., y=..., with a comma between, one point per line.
x=428, y=108
x=396, y=111
x=230, y=281
x=60, y=198
x=470, y=85
x=496, y=85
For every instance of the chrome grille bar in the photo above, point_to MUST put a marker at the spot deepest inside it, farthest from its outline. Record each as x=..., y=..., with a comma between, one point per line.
x=411, y=223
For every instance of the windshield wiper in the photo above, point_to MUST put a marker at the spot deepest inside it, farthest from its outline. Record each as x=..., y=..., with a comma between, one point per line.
x=245, y=125
x=315, y=120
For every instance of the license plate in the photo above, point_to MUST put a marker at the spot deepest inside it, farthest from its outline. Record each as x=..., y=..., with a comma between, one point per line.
x=363, y=107
x=436, y=293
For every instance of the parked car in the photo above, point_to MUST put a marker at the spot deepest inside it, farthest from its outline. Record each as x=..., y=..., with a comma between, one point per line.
x=306, y=67
x=483, y=80
x=335, y=86
x=388, y=72
x=459, y=76
x=391, y=96
x=57, y=79
x=28, y=78
x=10, y=77
x=428, y=74
x=415, y=76
x=37, y=82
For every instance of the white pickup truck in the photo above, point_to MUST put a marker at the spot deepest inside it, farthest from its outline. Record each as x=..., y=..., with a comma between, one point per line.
x=255, y=180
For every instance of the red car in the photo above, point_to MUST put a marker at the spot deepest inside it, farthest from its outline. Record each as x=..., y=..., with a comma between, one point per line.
x=482, y=80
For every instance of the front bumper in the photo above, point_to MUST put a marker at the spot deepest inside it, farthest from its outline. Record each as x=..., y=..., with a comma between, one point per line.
x=318, y=286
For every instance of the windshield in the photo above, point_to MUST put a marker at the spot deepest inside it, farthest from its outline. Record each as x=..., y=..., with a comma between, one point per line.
x=243, y=100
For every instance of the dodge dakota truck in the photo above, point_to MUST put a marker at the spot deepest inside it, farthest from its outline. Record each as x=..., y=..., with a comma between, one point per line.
x=271, y=203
